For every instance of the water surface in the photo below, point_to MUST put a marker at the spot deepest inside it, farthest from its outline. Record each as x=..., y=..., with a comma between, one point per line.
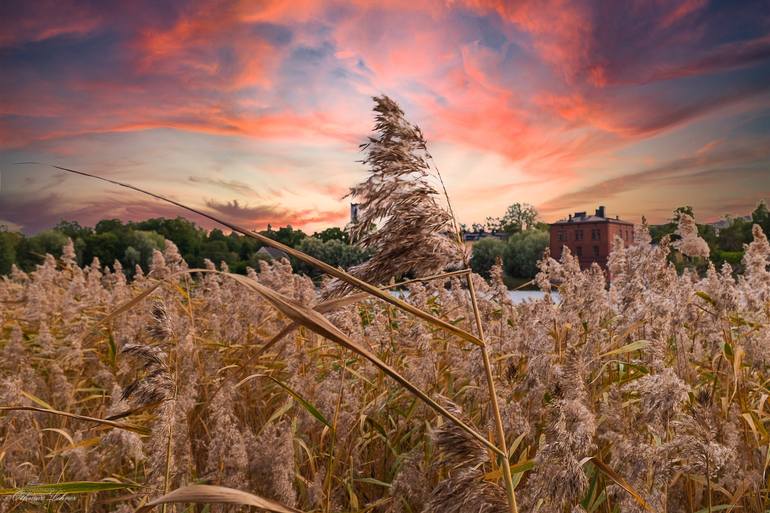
x=520, y=296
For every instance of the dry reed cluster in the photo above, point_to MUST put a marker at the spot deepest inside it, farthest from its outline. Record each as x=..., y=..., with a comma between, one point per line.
x=185, y=385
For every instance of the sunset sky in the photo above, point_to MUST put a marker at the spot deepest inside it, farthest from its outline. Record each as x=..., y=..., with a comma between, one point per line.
x=255, y=110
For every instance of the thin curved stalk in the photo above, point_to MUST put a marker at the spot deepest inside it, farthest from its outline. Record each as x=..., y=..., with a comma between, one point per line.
x=299, y=255
x=316, y=322
x=106, y=422
x=507, y=476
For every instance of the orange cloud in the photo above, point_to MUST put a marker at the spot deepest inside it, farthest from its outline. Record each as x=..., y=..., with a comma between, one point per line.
x=560, y=91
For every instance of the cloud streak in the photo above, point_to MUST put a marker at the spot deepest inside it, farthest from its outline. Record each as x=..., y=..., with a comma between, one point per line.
x=700, y=169
x=235, y=186
x=560, y=103
x=259, y=216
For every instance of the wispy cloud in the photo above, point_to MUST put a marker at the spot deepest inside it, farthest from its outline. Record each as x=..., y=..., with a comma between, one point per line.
x=260, y=216
x=231, y=185
x=557, y=93
x=700, y=169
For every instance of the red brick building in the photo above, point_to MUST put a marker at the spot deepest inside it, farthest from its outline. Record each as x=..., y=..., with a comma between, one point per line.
x=589, y=238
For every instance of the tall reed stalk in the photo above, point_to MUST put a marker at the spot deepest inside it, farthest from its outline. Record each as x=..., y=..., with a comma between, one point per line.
x=507, y=476
x=404, y=131
x=499, y=429
x=299, y=255
x=344, y=276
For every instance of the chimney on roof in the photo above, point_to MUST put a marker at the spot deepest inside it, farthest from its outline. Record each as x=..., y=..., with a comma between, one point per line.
x=580, y=215
x=569, y=218
x=600, y=211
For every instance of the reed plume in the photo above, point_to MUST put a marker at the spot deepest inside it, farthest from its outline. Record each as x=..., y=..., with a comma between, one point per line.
x=399, y=216
x=463, y=487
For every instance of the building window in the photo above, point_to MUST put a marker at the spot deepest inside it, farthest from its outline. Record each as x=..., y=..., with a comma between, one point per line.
x=595, y=234
x=561, y=236
x=578, y=234
x=596, y=251
x=579, y=251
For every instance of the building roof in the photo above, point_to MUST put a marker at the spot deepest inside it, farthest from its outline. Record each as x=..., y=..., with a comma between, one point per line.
x=599, y=217
x=273, y=253
x=590, y=219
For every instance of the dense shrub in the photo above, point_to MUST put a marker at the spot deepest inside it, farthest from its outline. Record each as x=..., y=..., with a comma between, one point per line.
x=523, y=251
x=485, y=254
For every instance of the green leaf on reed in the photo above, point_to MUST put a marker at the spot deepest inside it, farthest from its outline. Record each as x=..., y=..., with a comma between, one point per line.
x=620, y=481
x=706, y=298
x=112, y=350
x=37, y=400
x=515, y=444
x=319, y=324
x=107, y=422
x=373, y=481
x=523, y=466
x=312, y=410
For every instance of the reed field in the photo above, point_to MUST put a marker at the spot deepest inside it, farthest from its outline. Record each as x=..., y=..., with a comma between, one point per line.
x=202, y=390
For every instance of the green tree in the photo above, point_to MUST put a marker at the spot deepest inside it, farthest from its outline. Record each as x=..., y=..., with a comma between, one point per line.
x=761, y=216
x=687, y=209
x=107, y=246
x=734, y=235
x=110, y=226
x=185, y=234
x=143, y=243
x=9, y=241
x=334, y=252
x=73, y=229
x=493, y=224
x=286, y=235
x=522, y=252
x=131, y=258
x=79, y=235
x=32, y=250
x=484, y=254
x=334, y=233
x=247, y=248
x=657, y=232
x=519, y=217
x=709, y=234
x=218, y=251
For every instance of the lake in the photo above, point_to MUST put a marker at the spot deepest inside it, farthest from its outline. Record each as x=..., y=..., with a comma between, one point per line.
x=520, y=296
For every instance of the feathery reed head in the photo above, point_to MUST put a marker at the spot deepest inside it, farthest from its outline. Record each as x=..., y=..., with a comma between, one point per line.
x=400, y=218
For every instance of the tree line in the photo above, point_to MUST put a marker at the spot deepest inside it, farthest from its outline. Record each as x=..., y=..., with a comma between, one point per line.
x=523, y=241
x=726, y=240
x=132, y=244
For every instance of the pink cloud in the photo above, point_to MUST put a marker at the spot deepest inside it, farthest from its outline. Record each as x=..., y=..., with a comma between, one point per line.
x=73, y=19
x=555, y=88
